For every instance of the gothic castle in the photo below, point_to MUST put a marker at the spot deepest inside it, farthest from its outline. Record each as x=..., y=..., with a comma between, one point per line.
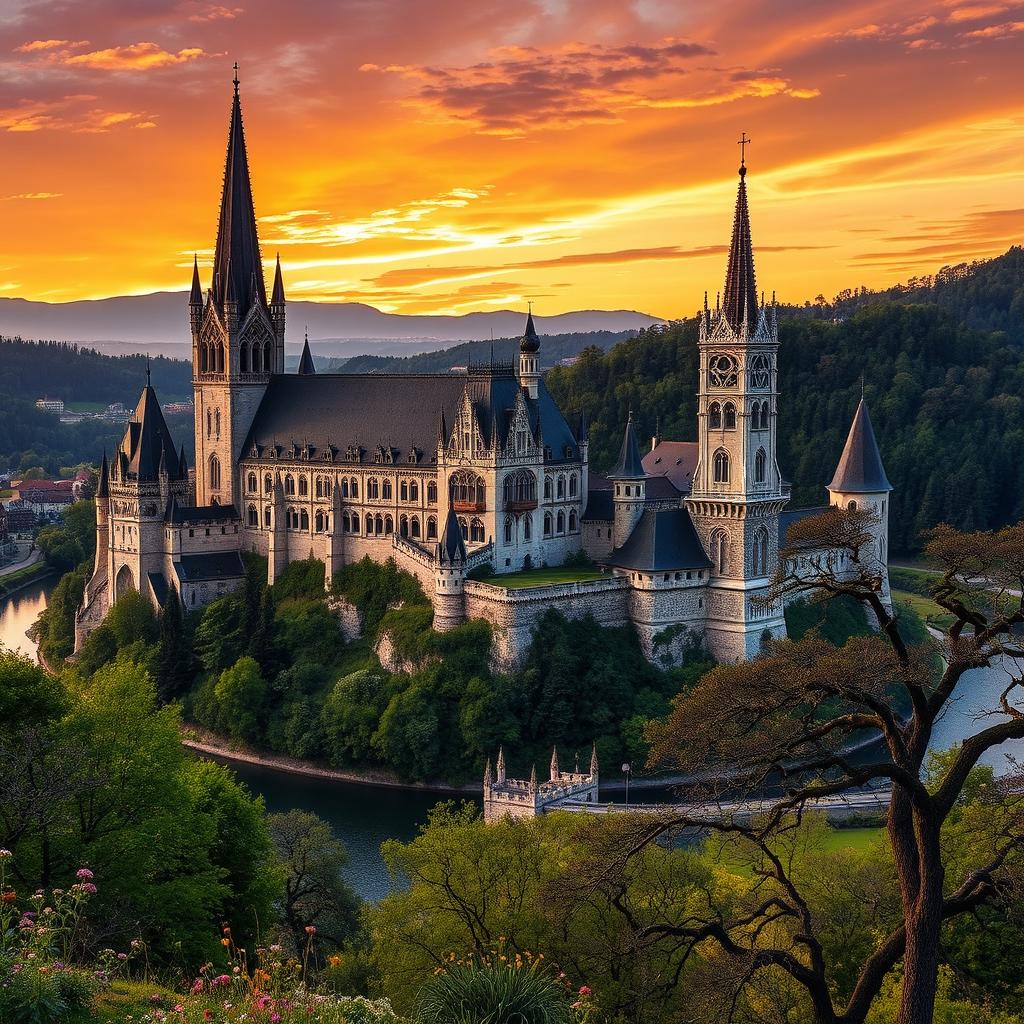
x=445, y=473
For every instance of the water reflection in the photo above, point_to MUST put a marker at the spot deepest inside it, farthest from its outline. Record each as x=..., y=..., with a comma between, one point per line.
x=18, y=612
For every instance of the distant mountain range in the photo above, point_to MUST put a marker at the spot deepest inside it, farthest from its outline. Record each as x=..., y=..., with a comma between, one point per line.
x=159, y=323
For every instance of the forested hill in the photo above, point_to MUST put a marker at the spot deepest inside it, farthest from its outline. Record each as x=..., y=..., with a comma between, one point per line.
x=987, y=294
x=946, y=401
x=553, y=348
x=30, y=369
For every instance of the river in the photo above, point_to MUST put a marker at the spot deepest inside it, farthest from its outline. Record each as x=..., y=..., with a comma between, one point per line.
x=364, y=816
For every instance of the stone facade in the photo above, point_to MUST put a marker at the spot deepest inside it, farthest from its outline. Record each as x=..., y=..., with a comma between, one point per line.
x=519, y=798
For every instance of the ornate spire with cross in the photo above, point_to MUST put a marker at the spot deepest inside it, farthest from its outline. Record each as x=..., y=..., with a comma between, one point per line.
x=742, y=143
x=234, y=81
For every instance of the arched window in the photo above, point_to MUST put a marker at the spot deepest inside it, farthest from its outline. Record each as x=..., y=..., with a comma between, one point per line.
x=560, y=489
x=527, y=526
x=372, y=489
x=721, y=463
x=385, y=490
x=403, y=525
x=319, y=520
x=344, y=486
x=414, y=527
x=572, y=520
x=403, y=491
x=431, y=492
x=268, y=358
x=547, y=524
x=561, y=522
x=209, y=423
x=573, y=486
x=760, y=466
x=431, y=528
x=414, y=491
x=476, y=530
x=720, y=551
x=354, y=522
x=346, y=523
x=510, y=527
x=369, y=524
x=252, y=483
x=547, y=488
x=378, y=523
x=521, y=487
x=304, y=520
x=214, y=472
x=353, y=487
x=243, y=358
x=303, y=487
x=468, y=491
x=216, y=422
x=715, y=416
x=760, y=558
x=765, y=413
x=266, y=517
x=268, y=484
x=464, y=527
x=289, y=484
x=729, y=416
x=852, y=506
x=319, y=487
x=254, y=517
x=389, y=526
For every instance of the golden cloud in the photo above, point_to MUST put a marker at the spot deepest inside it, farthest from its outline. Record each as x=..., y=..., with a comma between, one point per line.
x=33, y=195
x=142, y=56
x=43, y=45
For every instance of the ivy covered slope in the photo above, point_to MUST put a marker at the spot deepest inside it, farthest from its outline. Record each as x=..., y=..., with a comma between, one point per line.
x=946, y=398
x=270, y=667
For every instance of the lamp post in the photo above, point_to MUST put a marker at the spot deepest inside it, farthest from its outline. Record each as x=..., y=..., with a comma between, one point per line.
x=626, y=770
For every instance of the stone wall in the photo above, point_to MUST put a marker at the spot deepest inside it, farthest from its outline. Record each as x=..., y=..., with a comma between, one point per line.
x=513, y=614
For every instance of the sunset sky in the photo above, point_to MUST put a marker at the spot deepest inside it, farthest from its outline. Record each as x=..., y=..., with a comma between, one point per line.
x=444, y=156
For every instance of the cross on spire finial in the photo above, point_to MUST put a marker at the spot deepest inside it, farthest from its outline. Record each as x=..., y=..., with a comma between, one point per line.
x=147, y=369
x=234, y=81
x=862, y=387
x=743, y=143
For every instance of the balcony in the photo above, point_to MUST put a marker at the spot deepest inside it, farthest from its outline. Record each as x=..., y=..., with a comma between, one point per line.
x=520, y=505
x=469, y=506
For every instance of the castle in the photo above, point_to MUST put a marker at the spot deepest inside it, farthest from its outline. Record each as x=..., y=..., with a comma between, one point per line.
x=446, y=473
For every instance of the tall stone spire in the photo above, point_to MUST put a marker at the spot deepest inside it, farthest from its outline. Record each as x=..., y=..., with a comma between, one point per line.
x=860, y=469
x=306, y=366
x=237, y=265
x=103, y=489
x=740, y=303
x=554, y=764
x=277, y=296
x=195, y=297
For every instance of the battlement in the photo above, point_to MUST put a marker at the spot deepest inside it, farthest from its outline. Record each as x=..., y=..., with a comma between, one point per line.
x=528, y=798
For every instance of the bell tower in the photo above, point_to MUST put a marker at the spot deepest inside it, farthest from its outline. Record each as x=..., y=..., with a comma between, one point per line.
x=237, y=336
x=738, y=490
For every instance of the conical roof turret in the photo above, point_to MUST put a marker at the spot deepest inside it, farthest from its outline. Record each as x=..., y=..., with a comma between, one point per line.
x=277, y=297
x=530, y=341
x=629, y=465
x=451, y=548
x=103, y=487
x=306, y=366
x=860, y=469
x=237, y=265
x=195, y=296
x=740, y=301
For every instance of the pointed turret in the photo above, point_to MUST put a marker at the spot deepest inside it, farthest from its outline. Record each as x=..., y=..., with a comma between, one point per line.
x=529, y=361
x=147, y=448
x=237, y=266
x=487, y=774
x=860, y=469
x=182, y=465
x=629, y=465
x=533, y=779
x=530, y=342
x=554, y=764
x=442, y=431
x=451, y=548
x=593, y=760
x=103, y=487
x=306, y=367
x=740, y=304
x=500, y=773
x=277, y=297
x=195, y=296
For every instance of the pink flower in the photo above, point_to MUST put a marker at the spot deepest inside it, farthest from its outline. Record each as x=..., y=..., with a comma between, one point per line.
x=197, y=987
x=178, y=1008
x=310, y=929
x=207, y=1014
x=84, y=874
x=584, y=990
x=275, y=1018
x=88, y=888
x=221, y=979
x=263, y=1002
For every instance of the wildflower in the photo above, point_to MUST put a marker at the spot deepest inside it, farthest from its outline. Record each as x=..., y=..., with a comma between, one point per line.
x=197, y=987
x=225, y=942
x=10, y=896
x=334, y=960
x=275, y=1018
x=310, y=929
x=207, y=1014
x=122, y=956
x=221, y=979
x=89, y=889
x=84, y=874
x=584, y=990
x=577, y=1005
x=275, y=948
x=5, y=854
x=178, y=1008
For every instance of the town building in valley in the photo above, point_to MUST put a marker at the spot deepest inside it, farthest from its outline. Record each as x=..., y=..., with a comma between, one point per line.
x=446, y=473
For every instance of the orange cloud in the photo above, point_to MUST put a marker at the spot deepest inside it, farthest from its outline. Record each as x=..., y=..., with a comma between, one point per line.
x=37, y=45
x=202, y=12
x=33, y=195
x=136, y=57
x=996, y=31
x=67, y=115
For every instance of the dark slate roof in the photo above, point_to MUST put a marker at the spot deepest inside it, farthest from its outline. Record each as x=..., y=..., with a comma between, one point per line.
x=600, y=507
x=860, y=468
x=103, y=490
x=277, y=297
x=629, y=465
x=791, y=516
x=146, y=441
x=195, y=297
x=199, y=514
x=159, y=585
x=530, y=342
x=306, y=365
x=218, y=565
x=237, y=266
x=660, y=541
x=676, y=460
x=396, y=410
x=740, y=299
x=660, y=488
x=451, y=547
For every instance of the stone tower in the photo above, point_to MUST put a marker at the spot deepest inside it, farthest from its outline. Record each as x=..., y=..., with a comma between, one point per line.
x=529, y=359
x=629, y=479
x=237, y=336
x=737, y=492
x=449, y=576
x=860, y=483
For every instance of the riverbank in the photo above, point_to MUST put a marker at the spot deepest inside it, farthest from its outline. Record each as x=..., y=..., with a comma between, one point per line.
x=23, y=577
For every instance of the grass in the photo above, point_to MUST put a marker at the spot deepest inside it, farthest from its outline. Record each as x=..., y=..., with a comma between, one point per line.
x=14, y=579
x=926, y=608
x=544, y=577
x=851, y=838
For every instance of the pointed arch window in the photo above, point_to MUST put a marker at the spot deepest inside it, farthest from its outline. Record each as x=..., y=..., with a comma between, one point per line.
x=561, y=523
x=715, y=416
x=760, y=552
x=547, y=488
x=760, y=466
x=385, y=490
x=303, y=487
x=268, y=484
x=729, y=416
x=527, y=526
x=721, y=466
x=403, y=526
x=369, y=524
x=353, y=488
x=378, y=524
x=304, y=520
x=476, y=531
x=573, y=486
x=573, y=523
x=464, y=527
x=431, y=528
x=268, y=357
x=414, y=527
x=560, y=489
x=289, y=484
x=243, y=358
x=344, y=486
x=547, y=524
x=372, y=488
x=403, y=491
x=432, y=492
x=267, y=520
x=414, y=491
x=252, y=483
x=510, y=528
x=389, y=526
x=254, y=517
x=214, y=473
x=319, y=520
x=720, y=551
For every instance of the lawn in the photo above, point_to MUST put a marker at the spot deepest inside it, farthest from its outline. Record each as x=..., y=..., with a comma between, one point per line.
x=925, y=607
x=544, y=577
x=851, y=838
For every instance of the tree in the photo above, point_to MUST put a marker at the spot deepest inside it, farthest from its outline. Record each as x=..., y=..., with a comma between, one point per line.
x=315, y=895
x=172, y=663
x=240, y=692
x=793, y=714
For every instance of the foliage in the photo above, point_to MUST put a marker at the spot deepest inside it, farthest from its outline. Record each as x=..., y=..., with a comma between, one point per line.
x=373, y=588
x=73, y=541
x=837, y=620
x=304, y=578
x=57, y=621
